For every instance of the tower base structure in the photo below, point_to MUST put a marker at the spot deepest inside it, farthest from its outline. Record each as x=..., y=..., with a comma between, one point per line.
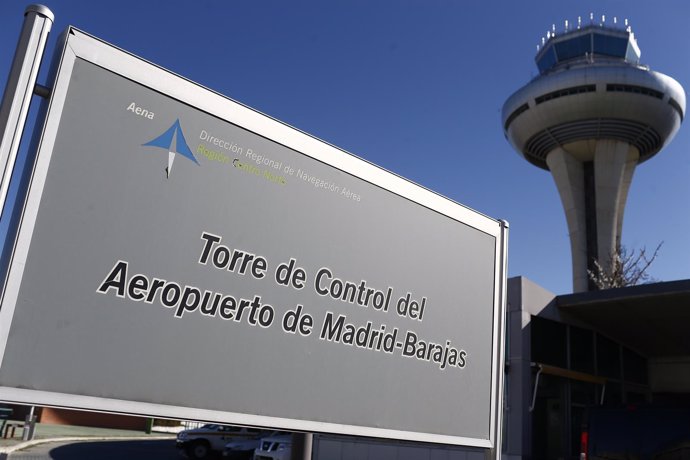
x=593, y=192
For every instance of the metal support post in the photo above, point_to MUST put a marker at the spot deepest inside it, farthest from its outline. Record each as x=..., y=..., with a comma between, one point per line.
x=29, y=425
x=302, y=446
x=14, y=109
x=149, y=425
x=495, y=453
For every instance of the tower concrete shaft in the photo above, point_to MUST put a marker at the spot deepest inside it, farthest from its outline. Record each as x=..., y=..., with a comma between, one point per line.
x=591, y=116
x=593, y=194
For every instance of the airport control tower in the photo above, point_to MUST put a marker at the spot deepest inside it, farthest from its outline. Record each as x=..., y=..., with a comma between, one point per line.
x=590, y=117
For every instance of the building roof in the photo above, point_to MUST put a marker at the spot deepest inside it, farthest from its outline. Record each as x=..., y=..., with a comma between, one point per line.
x=653, y=319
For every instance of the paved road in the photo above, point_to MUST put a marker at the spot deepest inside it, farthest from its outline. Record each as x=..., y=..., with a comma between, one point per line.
x=102, y=450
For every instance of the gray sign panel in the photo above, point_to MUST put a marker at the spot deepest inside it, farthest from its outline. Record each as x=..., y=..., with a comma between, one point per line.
x=182, y=255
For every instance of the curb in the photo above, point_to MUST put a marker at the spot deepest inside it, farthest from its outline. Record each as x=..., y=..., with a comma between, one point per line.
x=4, y=451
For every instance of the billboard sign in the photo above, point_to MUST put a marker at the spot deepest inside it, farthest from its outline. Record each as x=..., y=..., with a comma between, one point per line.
x=181, y=255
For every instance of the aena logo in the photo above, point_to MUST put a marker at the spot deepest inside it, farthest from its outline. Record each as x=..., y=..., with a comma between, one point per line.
x=174, y=142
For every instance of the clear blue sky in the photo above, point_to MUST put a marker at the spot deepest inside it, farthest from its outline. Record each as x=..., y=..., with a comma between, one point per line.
x=415, y=87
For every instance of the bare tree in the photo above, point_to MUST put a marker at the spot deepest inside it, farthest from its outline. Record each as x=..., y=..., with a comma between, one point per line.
x=624, y=268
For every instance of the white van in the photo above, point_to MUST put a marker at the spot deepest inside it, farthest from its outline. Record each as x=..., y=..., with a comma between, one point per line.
x=200, y=442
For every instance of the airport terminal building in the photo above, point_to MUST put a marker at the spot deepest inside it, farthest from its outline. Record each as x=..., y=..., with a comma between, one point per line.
x=569, y=353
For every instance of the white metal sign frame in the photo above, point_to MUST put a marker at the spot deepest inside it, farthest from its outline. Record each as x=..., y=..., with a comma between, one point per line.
x=79, y=45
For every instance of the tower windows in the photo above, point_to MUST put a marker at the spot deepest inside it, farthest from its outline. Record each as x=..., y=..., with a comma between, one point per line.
x=565, y=92
x=618, y=87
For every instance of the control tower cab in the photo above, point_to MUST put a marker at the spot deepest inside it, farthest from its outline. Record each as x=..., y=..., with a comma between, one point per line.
x=593, y=113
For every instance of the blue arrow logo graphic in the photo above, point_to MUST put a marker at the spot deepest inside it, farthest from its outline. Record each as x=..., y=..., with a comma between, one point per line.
x=174, y=142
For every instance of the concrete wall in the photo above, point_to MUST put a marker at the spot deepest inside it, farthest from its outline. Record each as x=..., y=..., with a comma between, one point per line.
x=670, y=375
x=94, y=419
x=525, y=299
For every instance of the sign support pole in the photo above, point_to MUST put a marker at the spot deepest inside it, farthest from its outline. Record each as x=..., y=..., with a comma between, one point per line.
x=496, y=451
x=38, y=20
x=302, y=446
